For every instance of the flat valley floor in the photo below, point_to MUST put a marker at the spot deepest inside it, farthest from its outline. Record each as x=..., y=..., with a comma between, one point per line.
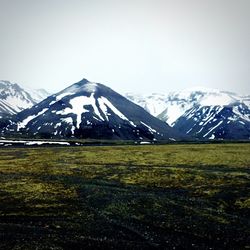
x=186, y=196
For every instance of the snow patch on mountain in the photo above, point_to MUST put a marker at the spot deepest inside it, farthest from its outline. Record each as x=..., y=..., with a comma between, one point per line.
x=23, y=123
x=150, y=129
x=237, y=110
x=213, y=128
x=105, y=101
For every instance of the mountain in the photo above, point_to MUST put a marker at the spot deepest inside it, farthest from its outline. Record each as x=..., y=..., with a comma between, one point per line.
x=216, y=122
x=155, y=104
x=15, y=98
x=169, y=107
x=201, y=112
x=37, y=94
x=90, y=110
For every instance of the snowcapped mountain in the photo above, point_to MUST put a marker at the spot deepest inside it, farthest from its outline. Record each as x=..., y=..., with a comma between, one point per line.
x=90, y=110
x=15, y=98
x=211, y=114
x=216, y=122
x=178, y=103
x=37, y=94
x=202, y=112
x=169, y=107
x=155, y=104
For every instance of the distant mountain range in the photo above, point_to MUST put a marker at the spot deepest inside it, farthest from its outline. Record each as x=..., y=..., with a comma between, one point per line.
x=15, y=98
x=92, y=110
x=89, y=110
x=201, y=113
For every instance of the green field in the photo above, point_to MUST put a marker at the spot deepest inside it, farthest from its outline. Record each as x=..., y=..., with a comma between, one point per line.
x=125, y=197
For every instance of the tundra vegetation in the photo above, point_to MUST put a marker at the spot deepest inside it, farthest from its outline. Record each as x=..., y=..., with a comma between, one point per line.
x=125, y=197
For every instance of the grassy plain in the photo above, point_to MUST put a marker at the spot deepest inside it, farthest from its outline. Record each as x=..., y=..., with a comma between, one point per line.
x=125, y=197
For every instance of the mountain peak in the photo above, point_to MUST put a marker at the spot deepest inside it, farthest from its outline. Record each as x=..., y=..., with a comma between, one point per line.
x=87, y=86
x=83, y=82
x=82, y=86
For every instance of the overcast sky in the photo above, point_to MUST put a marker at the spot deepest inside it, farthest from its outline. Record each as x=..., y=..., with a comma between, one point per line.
x=130, y=45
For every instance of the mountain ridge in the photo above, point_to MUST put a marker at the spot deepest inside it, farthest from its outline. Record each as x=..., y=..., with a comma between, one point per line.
x=91, y=110
x=177, y=107
x=200, y=113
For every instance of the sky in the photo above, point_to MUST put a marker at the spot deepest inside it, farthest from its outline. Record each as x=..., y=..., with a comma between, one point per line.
x=141, y=46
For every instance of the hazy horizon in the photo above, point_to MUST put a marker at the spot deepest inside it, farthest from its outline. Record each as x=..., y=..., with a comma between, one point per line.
x=140, y=93
x=131, y=46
